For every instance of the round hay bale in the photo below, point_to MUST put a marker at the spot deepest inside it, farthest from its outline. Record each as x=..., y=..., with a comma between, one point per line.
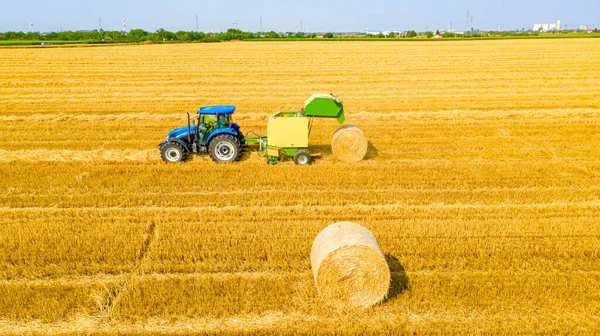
x=348, y=266
x=349, y=143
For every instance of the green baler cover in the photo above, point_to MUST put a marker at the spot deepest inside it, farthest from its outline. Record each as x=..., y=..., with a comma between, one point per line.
x=324, y=106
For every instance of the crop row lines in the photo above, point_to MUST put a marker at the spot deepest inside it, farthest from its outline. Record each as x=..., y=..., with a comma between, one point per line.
x=356, y=206
x=125, y=278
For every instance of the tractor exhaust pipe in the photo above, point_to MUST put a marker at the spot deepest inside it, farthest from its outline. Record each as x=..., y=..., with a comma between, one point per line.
x=197, y=135
x=189, y=129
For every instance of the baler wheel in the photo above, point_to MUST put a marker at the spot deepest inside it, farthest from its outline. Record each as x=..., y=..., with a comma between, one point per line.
x=302, y=158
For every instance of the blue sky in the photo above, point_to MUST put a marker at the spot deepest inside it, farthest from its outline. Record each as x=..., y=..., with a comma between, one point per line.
x=333, y=15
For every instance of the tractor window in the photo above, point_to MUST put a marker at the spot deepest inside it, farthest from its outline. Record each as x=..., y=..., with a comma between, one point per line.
x=224, y=120
x=210, y=120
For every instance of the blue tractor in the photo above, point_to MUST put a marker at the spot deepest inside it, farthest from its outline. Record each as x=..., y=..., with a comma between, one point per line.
x=212, y=131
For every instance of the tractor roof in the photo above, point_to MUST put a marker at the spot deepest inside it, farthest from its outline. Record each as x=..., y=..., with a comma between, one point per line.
x=218, y=109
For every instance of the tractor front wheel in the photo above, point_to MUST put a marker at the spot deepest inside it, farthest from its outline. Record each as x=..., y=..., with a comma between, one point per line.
x=224, y=148
x=172, y=152
x=302, y=158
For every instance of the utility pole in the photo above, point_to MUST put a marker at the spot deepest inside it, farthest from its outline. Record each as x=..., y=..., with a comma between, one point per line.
x=124, y=25
x=301, y=29
x=467, y=24
x=261, y=24
x=235, y=24
x=99, y=24
x=196, y=23
x=30, y=26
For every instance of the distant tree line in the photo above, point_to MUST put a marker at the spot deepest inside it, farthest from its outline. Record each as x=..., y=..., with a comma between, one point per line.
x=140, y=35
x=135, y=35
x=161, y=35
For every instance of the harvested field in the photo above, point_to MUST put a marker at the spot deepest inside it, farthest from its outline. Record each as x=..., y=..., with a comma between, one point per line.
x=481, y=184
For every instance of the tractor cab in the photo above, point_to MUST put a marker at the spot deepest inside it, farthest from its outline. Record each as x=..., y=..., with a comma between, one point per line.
x=211, y=131
x=214, y=118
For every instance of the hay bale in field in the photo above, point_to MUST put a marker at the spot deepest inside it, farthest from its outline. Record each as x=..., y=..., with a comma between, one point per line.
x=348, y=266
x=349, y=143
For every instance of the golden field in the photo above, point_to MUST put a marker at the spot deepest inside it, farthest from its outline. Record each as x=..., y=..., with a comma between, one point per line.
x=482, y=185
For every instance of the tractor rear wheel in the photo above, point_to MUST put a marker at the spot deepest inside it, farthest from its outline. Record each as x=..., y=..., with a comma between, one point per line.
x=225, y=148
x=172, y=152
x=302, y=158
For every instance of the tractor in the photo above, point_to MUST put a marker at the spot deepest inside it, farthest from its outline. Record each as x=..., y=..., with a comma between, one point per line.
x=212, y=131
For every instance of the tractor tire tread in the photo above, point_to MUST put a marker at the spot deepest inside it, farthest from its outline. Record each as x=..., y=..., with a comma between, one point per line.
x=216, y=139
x=172, y=144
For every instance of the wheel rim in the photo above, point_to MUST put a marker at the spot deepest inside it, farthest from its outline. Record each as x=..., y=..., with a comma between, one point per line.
x=302, y=159
x=173, y=155
x=224, y=151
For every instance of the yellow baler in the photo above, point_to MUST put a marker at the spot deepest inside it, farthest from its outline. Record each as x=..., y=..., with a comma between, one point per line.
x=288, y=132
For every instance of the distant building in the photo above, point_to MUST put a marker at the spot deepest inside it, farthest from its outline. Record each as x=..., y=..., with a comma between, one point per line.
x=385, y=33
x=546, y=26
x=584, y=27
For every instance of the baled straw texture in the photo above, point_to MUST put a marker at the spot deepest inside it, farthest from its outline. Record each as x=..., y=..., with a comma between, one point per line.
x=349, y=143
x=348, y=266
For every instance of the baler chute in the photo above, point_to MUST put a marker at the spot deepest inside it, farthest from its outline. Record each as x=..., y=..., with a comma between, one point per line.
x=324, y=106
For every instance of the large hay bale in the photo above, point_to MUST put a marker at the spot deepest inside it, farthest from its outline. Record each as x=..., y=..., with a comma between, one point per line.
x=349, y=143
x=348, y=266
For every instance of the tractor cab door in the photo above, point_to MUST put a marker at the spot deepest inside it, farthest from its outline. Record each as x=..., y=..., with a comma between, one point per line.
x=210, y=121
x=206, y=125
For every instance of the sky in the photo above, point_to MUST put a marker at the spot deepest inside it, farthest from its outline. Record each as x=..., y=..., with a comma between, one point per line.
x=319, y=16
